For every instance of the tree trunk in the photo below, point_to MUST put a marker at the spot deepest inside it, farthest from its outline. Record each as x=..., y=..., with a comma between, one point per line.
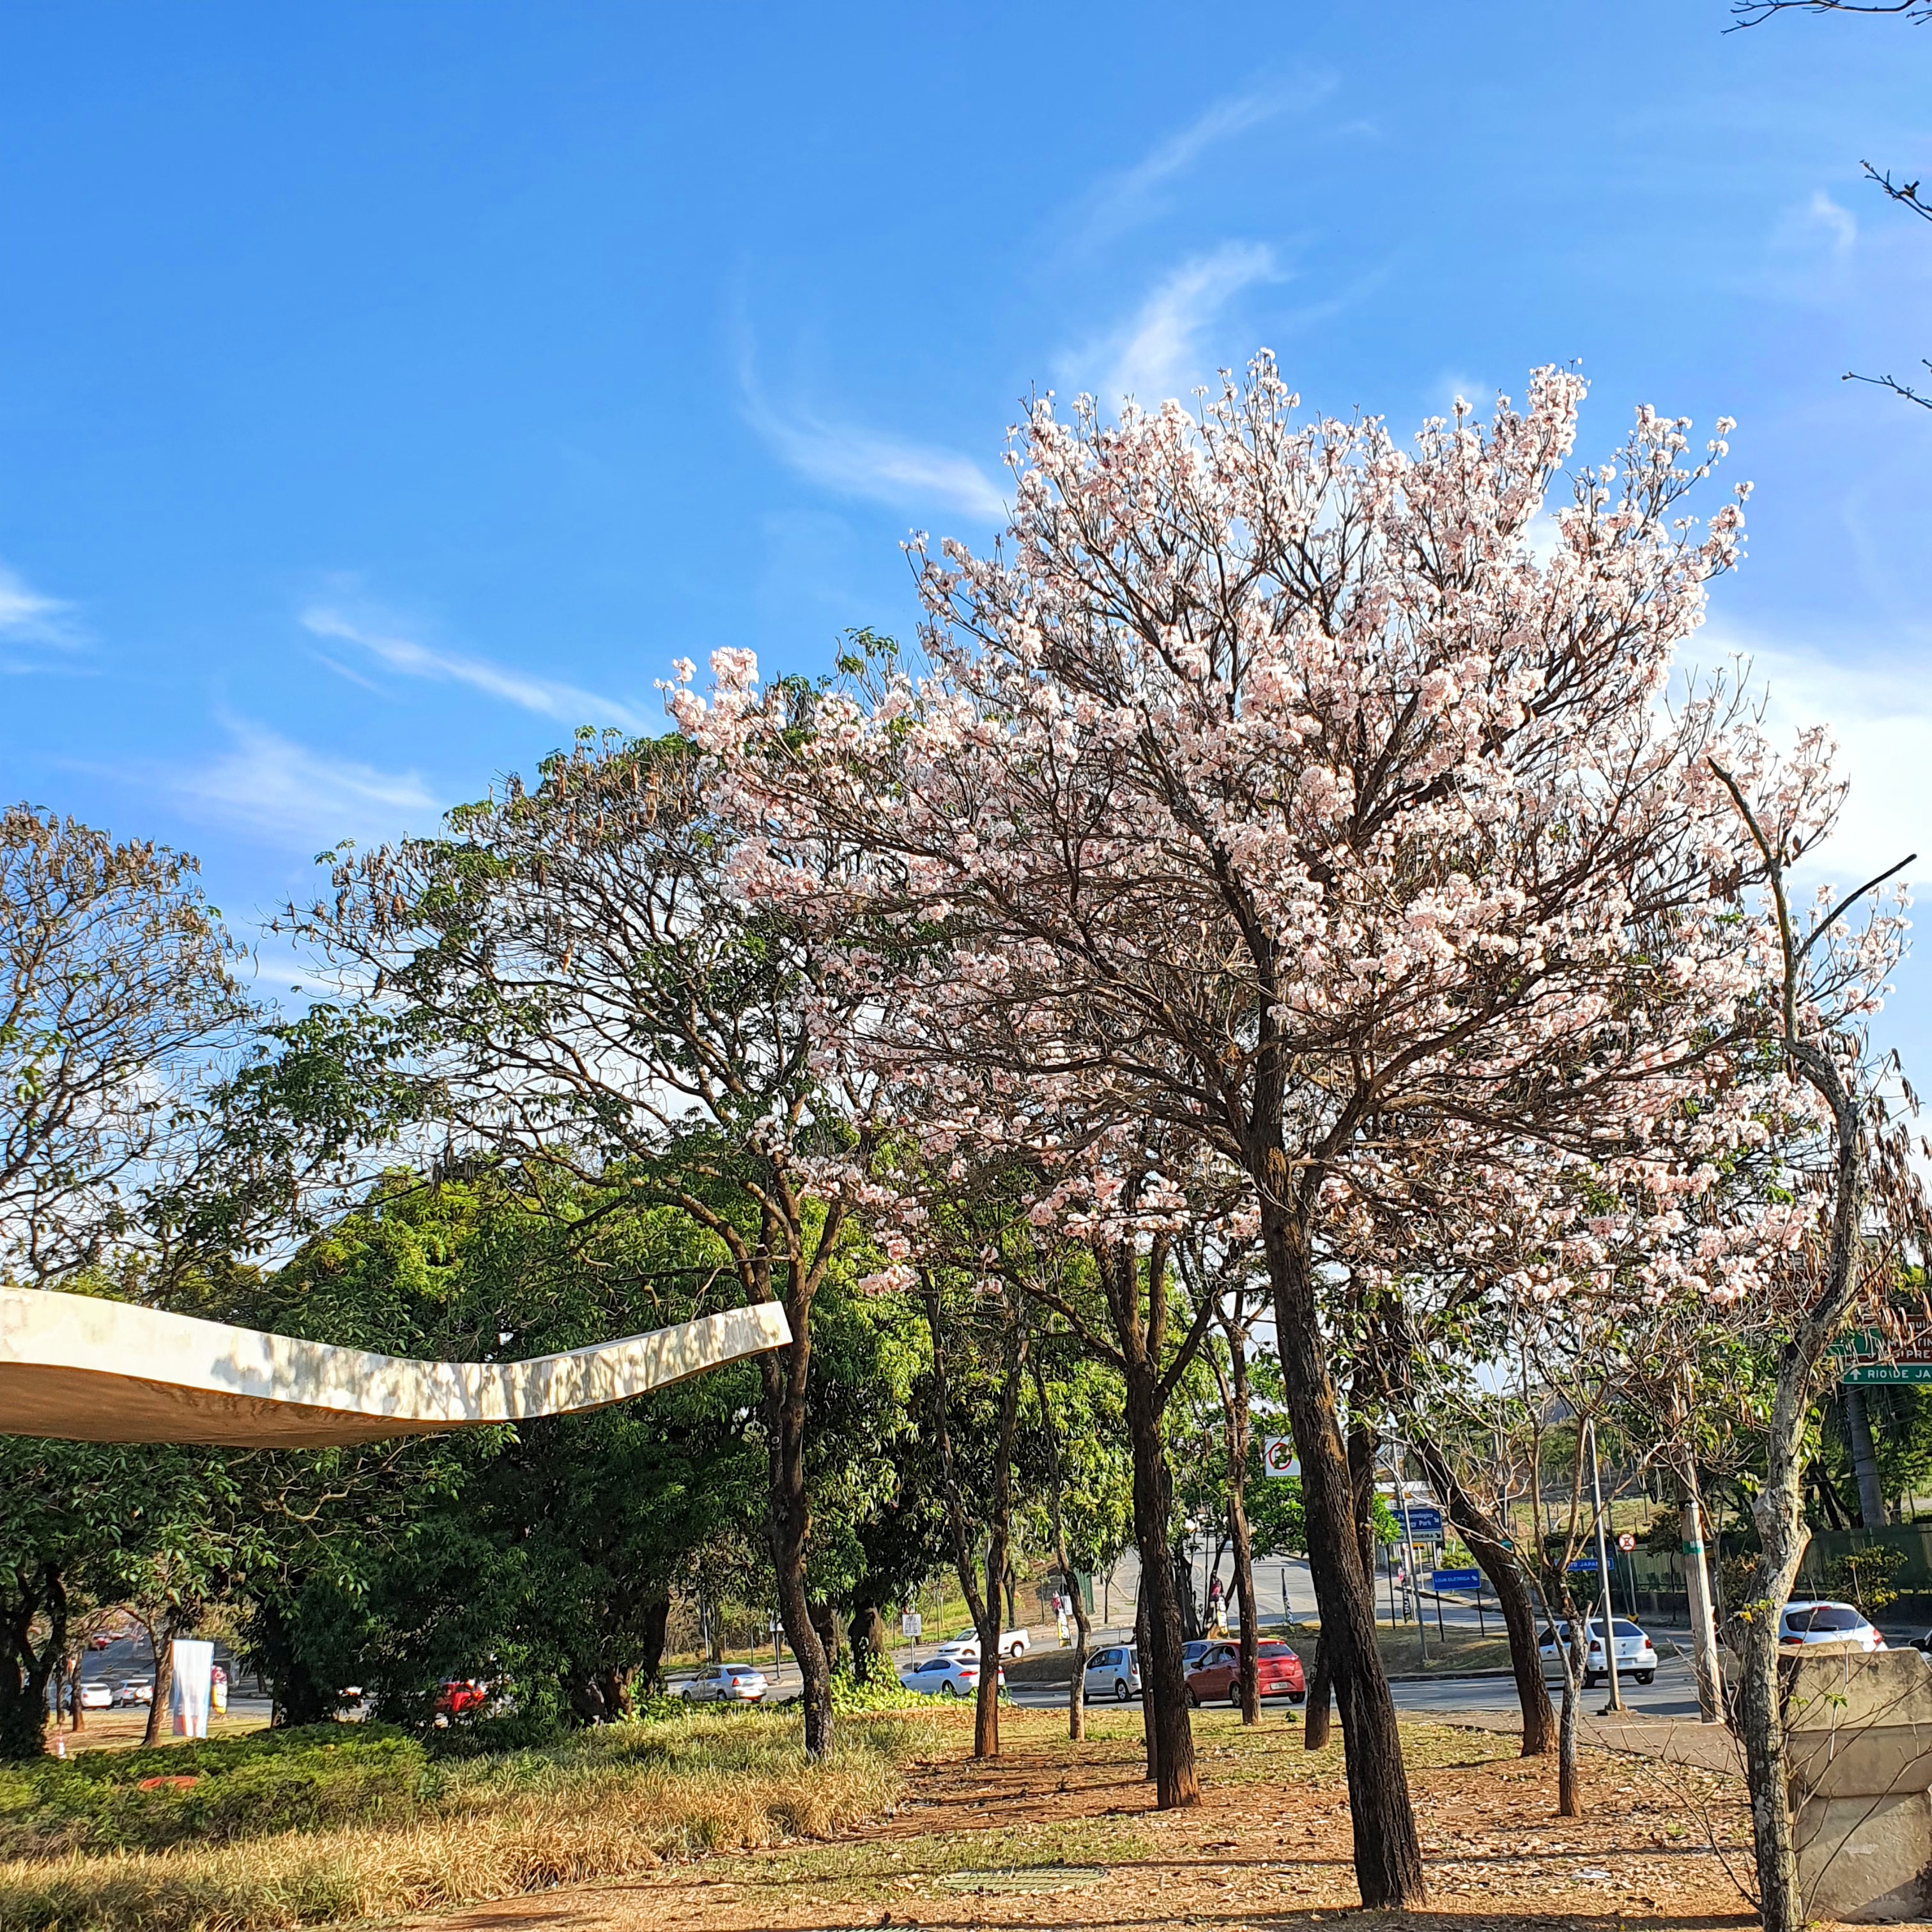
x=25, y=1671
x=1490, y=1545
x=1236, y=1409
x=986, y=1713
x=657, y=1619
x=1076, y=1694
x=1569, y=1794
x=1387, y=1851
x=789, y=1520
x=162, y=1642
x=1178, y=1780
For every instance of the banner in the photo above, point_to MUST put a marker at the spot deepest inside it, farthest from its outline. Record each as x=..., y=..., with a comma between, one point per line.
x=189, y=1693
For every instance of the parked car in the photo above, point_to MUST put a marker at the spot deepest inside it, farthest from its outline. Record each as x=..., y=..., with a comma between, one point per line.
x=1192, y=1651
x=1218, y=1674
x=1637, y=1657
x=947, y=1676
x=96, y=1695
x=100, y=1640
x=966, y=1643
x=727, y=1684
x=135, y=1690
x=460, y=1697
x=1115, y=1672
x=1815, y=1621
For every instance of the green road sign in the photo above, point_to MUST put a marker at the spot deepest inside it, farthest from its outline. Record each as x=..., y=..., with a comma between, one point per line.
x=1890, y=1372
x=1866, y=1342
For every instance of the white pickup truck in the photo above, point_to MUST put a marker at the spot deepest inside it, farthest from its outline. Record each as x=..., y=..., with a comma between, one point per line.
x=1012, y=1643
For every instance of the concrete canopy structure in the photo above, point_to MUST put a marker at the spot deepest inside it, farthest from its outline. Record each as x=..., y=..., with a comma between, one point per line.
x=93, y=1371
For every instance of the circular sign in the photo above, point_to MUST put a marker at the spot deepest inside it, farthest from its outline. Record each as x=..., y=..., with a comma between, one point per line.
x=1278, y=1456
x=1626, y=1542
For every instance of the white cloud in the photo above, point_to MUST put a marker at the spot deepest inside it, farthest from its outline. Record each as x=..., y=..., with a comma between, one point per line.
x=857, y=462
x=564, y=702
x=1824, y=220
x=1123, y=200
x=29, y=616
x=287, y=795
x=1882, y=720
x=1156, y=354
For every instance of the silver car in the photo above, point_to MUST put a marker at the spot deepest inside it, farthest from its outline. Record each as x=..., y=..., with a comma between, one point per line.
x=1637, y=1657
x=727, y=1684
x=1115, y=1672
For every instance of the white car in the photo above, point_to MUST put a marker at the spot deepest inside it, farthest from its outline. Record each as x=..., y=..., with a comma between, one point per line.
x=1113, y=1673
x=1637, y=1657
x=726, y=1684
x=1012, y=1643
x=946, y=1676
x=1815, y=1621
x=96, y=1697
x=135, y=1690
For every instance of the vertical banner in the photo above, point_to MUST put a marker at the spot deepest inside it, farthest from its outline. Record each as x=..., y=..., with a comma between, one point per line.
x=189, y=1694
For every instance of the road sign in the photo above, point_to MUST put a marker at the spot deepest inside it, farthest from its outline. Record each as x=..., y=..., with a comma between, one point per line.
x=1584, y=1565
x=1627, y=1543
x=1455, y=1579
x=1889, y=1371
x=1423, y=1521
x=910, y=1625
x=1278, y=1457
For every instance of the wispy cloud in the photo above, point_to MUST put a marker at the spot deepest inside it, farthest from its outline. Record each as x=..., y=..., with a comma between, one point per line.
x=1124, y=199
x=564, y=702
x=1155, y=353
x=268, y=786
x=29, y=617
x=854, y=461
x=1880, y=713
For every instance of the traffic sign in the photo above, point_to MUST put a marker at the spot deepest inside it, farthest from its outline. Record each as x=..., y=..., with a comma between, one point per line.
x=1586, y=1565
x=1455, y=1579
x=1423, y=1520
x=1627, y=1543
x=1278, y=1457
x=1889, y=1371
x=911, y=1625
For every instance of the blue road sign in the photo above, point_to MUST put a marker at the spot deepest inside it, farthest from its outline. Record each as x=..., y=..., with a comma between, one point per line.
x=1425, y=1521
x=1586, y=1565
x=1455, y=1579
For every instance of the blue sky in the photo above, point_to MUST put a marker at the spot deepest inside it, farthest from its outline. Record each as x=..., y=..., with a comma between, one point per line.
x=386, y=389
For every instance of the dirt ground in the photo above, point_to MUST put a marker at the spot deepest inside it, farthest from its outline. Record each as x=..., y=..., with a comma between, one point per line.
x=1051, y=1836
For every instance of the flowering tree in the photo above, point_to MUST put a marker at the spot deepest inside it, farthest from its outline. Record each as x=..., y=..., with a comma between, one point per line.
x=1279, y=785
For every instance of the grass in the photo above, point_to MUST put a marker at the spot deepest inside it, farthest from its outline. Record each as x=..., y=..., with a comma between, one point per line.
x=306, y=1828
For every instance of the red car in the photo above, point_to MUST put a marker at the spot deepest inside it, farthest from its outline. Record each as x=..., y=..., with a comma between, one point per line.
x=458, y=1697
x=1218, y=1674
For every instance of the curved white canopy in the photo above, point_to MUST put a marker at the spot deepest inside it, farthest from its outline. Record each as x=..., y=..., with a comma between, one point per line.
x=93, y=1371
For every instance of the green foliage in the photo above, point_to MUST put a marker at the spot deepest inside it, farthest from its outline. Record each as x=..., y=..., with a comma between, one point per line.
x=211, y=1792
x=1866, y=1576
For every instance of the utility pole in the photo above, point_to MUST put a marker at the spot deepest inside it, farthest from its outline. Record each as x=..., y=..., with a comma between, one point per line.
x=1408, y=1552
x=1616, y=1702
x=1697, y=1581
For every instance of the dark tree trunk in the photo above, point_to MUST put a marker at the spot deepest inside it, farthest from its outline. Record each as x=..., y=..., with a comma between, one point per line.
x=1235, y=1406
x=25, y=1671
x=1490, y=1545
x=656, y=1620
x=1069, y=1584
x=162, y=1641
x=986, y=1712
x=1363, y=1446
x=1387, y=1851
x=1165, y=1684
x=784, y=1373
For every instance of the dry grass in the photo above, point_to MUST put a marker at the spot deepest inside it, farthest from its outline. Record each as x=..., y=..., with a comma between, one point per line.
x=618, y=1805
